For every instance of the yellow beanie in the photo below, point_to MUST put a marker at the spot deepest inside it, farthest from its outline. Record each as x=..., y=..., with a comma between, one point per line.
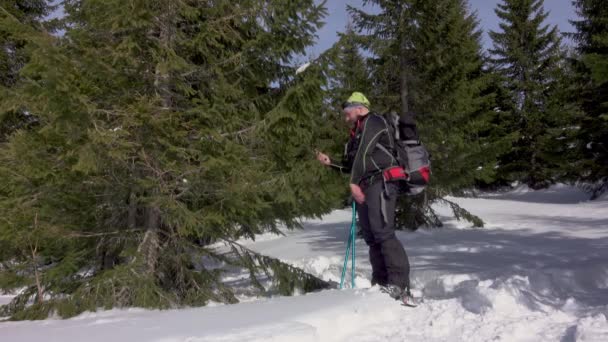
x=357, y=98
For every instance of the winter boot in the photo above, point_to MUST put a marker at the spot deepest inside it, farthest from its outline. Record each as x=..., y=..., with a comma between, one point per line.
x=402, y=295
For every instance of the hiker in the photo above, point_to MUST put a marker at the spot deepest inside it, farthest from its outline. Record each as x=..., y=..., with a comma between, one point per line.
x=368, y=153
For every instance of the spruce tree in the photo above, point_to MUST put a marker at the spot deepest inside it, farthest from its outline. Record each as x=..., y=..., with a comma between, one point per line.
x=452, y=95
x=348, y=70
x=591, y=37
x=427, y=60
x=528, y=56
x=14, y=40
x=163, y=127
x=388, y=36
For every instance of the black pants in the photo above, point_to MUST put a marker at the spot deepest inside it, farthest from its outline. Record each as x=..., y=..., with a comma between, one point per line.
x=390, y=264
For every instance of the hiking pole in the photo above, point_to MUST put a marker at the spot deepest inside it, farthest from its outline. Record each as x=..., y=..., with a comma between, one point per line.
x=353, y=233
x=345, y=261
x=350, y=244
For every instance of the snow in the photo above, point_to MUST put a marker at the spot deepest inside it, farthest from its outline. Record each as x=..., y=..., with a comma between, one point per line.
x=537, y=272
x=302, y=68
x=557, y=194
x=5, y=299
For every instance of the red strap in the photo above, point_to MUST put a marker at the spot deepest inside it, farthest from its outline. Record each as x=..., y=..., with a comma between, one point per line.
x=426, y=173
x=358, y=124
x=395, y=173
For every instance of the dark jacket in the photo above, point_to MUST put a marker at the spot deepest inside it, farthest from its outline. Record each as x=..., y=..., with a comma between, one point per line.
x=369, y=150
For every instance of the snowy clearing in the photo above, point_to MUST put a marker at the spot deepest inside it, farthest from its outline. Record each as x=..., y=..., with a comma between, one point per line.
x=537, y=272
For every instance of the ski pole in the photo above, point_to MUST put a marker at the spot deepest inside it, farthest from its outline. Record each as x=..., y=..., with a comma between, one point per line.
x=345, y=260
x=353, y=233
x=350, y=244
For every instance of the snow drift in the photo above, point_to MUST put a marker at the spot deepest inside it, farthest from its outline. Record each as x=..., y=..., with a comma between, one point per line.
x=537, y=272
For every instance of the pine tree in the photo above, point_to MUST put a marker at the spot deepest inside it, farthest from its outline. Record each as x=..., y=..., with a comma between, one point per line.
x=527, y=54
x=592, y=40
x=13, y=52
x=453, y=97
x=435, y=47
x=163, y=126
x=348, y=70
x=12, y=42
x=389, y=39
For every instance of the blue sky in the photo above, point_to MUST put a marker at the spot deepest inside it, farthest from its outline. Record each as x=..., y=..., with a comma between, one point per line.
x=560, y=12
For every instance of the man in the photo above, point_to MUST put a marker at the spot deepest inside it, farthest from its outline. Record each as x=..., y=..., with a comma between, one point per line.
x=368, y=152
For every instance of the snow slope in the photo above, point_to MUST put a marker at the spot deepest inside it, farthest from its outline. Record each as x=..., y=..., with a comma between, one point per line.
x=537, y=272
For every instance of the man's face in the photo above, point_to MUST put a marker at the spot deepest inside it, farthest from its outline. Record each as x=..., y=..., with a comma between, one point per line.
x=351, y=114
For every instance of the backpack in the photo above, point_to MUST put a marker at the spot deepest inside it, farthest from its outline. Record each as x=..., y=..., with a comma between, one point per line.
x=414, y=171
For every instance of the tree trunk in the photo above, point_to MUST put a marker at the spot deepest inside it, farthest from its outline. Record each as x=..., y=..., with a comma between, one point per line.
x=162, y=77
x=34, y=251
x=132, y=212
x=150, y=245
x=403, y=65
x=37, y=274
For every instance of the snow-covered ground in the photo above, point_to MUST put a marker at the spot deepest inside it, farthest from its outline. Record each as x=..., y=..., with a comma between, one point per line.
x=537, y=272
x=5, y=299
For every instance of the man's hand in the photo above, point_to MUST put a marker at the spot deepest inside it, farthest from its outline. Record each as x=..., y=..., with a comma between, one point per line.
x=323, y=158
x=357, y=193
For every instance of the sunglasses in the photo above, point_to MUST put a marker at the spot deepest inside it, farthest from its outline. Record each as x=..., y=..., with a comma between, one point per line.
x=349, y=104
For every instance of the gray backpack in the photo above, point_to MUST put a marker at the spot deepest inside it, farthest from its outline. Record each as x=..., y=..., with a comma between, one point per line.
x=414, y=171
